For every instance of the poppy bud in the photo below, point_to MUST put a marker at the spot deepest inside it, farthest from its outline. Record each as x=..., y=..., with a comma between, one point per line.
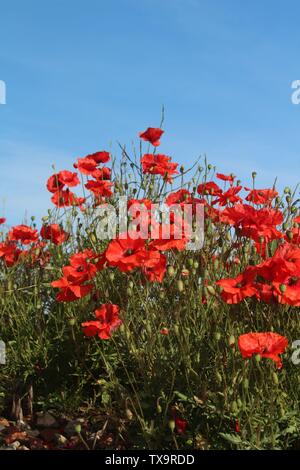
x=130, y=284
x=129, y=291
x=254, y=174
x=172, y=425
x=219, y=377
x=257, y=357
x=171, y=271
x=191, y=262
x=239, y=403
x=185, y=272
x=180, y=286
x=181, y=169
x=289, y=235
x=231, y=341
x=246, y=384
x=282, y=288
x=161, y=295
x=211, y=290
x=158, y=407
x=287, y=190
x=129, y=414
x=216, y=263
x=196, y=264
x=176, y=330
x=288, y=199
x=275, y=378
x=164, y=331
x=217, y=336
x=72, y=321
x=78, y=428
x=234, y=407
x=284, y=226
x=111, y=276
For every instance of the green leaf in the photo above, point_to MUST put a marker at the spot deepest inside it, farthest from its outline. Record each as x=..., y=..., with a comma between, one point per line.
x=232, y=438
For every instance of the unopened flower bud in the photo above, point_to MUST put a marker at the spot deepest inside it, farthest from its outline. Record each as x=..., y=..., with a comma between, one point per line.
x=129, y=414
x=171, y=271
x=172, y=425
x=180, y=286
x=275, y=378
x=78, y=428
x=246, y=384
x=217, y=336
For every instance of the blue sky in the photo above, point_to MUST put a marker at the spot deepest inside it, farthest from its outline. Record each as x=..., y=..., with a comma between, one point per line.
x=81, y=75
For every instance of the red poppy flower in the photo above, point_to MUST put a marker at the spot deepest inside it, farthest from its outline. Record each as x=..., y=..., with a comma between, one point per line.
x=23, y=234
x=261, y=196
x=70, y=290
x=236, y=289
x=164, y=331
x=81, y=268
x=229, y=196
x=209, y=188
x=223, y=177
x=126, y=254
x=159, y=165
x=100, y=188
x=58, y=180
x=268, y=345
x=107, y=321
x=170, y=237
x=86, y=165
x=99, y=157
x=2, y=220
x=154, y=266
x=65, y=198
x=146, y=202
x=152, y=135
x=258, y=224
x=10, y=253
x=54, y=233
x=102, y=173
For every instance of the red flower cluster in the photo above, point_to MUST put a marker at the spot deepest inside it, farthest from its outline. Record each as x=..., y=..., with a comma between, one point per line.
x=159, y=165
x=72, y=285
x=277, y=279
